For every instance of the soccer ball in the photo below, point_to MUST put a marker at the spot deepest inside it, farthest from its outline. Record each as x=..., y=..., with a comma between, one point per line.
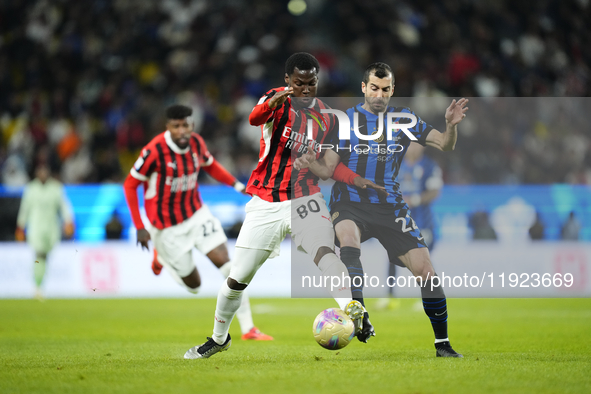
x=333, y=329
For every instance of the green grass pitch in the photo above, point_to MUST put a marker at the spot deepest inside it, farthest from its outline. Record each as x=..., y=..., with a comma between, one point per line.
x=137, y=346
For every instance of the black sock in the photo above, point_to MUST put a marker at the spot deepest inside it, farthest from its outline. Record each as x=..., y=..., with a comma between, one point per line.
x=351, y=258
x=391, y=274
x=435, y=305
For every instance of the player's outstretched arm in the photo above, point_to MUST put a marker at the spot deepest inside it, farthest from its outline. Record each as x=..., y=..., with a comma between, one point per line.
x=220, y=174
x=330, y=166
x=262, y=111
x=130, y=188
x=454, y=114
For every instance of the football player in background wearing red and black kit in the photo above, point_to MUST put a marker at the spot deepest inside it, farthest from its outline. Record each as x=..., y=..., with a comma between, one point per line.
x=168, y=168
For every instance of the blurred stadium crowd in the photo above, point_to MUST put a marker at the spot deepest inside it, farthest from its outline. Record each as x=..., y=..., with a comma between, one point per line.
x=83, y=84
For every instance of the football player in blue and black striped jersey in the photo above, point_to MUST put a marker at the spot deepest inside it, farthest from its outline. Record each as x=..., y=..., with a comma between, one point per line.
x=360, y=214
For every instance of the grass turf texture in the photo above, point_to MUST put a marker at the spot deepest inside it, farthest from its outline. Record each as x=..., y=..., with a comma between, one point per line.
x=136, y=346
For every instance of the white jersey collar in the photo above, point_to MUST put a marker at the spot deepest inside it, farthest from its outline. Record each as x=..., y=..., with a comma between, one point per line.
x=175, y=148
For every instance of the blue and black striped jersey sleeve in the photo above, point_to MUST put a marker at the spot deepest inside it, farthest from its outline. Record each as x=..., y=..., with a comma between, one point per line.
x=420, y=130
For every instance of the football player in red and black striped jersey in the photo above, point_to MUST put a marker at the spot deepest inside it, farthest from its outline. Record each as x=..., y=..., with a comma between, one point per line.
x=168, y=168
x=285, y=201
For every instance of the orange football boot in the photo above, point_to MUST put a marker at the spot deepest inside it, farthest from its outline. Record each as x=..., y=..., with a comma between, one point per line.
x=256, y=335
x=156, y=266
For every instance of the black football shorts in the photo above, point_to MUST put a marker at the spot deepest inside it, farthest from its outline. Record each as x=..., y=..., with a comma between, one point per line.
x=390, y=224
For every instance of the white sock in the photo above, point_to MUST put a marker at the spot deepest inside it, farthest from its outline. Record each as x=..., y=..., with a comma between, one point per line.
x=243, y=314
x=331, y=265
x=441, y=340
x=228, y=303
x=225, y=269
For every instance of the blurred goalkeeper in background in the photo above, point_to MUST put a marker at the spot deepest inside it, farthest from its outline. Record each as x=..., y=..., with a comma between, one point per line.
x=44, y=201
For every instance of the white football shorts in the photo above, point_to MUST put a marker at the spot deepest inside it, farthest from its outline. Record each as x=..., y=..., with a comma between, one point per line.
x=202, y=231
x=267, y=223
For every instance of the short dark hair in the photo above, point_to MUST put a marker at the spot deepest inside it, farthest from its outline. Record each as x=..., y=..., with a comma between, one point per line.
x=379, y=69
x=301, y=60
x=178, y=111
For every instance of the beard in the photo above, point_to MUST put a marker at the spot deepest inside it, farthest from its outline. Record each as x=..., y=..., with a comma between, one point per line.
x=378, y=104
x=182, y=142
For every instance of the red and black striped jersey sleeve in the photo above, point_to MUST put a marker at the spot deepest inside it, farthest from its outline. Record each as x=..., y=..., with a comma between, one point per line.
x=261, y=113
x=205, y=158
x=145, y=164
x=270, y=180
